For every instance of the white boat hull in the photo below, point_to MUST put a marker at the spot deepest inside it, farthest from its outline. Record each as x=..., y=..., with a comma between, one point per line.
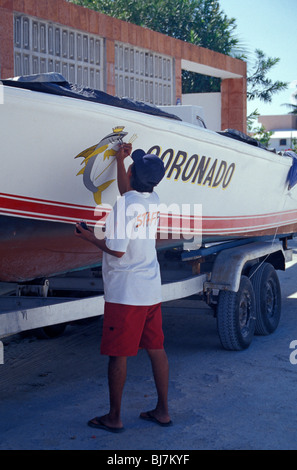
x=239, y=190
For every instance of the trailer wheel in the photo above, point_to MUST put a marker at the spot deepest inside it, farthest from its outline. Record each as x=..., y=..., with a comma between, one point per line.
x=268, y=298
x=236, y=316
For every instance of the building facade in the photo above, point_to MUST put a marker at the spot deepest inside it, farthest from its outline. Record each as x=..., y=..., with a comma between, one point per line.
x=97, y=51
x=283, y=128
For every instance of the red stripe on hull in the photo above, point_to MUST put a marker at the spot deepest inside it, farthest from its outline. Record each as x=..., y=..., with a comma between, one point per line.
x=47, y=210
x=210, y=225
x=34, y=245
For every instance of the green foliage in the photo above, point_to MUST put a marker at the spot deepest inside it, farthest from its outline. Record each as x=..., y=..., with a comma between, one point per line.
x=259, y=132
x=259, y=85
x=263, y=136
x=200, y=22
x=293, y=108
x=294, y=144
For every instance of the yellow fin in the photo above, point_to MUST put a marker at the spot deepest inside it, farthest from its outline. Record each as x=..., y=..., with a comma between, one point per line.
x=81, y=172
x=109, y=153
x=97, y=151
x=101, y=149
x=85, y=161
x=100, y=189
x=85, y=153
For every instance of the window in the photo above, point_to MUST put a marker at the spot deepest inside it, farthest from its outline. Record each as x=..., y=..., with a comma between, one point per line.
x=143, y=75
x=282, y=142
x=41, y=47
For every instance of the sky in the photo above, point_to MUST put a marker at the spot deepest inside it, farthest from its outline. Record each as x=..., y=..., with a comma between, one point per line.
x=269, y=25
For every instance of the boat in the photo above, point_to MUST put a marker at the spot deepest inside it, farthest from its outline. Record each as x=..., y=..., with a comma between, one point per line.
x=58, y=144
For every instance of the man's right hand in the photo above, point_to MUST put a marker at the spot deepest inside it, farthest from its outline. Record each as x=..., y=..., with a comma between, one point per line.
x=124, y=151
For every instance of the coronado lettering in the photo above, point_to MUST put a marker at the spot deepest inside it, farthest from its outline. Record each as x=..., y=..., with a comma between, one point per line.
x=202, y=170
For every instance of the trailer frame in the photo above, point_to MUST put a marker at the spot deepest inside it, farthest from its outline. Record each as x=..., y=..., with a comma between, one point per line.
x=208, y=271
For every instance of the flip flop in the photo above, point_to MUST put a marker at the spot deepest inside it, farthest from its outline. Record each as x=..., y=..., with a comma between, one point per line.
x=150, y=417
x=100, y=425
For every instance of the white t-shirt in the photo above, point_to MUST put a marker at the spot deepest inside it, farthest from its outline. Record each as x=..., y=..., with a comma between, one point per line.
x=133, y=279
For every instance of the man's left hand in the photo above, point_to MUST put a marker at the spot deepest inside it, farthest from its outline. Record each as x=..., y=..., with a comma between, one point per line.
x=85, y=233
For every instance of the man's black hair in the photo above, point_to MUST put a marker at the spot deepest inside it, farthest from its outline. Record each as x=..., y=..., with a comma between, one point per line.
x=137, y=184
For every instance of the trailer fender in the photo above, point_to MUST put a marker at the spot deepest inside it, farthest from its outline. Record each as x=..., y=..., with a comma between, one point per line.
x=229, y=263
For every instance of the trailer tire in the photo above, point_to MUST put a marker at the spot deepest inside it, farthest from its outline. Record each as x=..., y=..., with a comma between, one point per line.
x=236, y=316
x=268, y=298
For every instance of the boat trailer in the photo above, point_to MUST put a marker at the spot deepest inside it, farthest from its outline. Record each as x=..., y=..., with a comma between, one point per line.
x=237, y=279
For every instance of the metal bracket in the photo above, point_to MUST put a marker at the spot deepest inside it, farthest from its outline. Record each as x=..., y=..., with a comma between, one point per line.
x=38, y=289
x=1, y=353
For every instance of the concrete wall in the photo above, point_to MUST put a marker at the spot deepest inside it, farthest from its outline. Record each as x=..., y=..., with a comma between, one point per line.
x=211, y=104
x=285, y=121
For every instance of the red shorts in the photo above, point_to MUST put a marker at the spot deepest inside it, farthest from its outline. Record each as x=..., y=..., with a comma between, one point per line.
x=126, y=328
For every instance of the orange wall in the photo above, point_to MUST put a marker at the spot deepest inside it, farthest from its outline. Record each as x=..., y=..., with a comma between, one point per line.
x=74, y=16
x=234, y=107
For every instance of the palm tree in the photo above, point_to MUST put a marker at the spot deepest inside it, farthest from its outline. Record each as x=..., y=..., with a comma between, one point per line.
x=292, y=106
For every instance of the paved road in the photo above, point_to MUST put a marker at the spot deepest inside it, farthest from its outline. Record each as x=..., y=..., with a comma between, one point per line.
x=218, y=399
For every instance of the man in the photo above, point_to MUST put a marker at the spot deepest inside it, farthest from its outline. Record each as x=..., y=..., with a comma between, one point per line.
x=132, y=285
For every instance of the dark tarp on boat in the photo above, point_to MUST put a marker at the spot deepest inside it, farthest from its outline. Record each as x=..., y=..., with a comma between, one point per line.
x=237, y=135
x=55, y=84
